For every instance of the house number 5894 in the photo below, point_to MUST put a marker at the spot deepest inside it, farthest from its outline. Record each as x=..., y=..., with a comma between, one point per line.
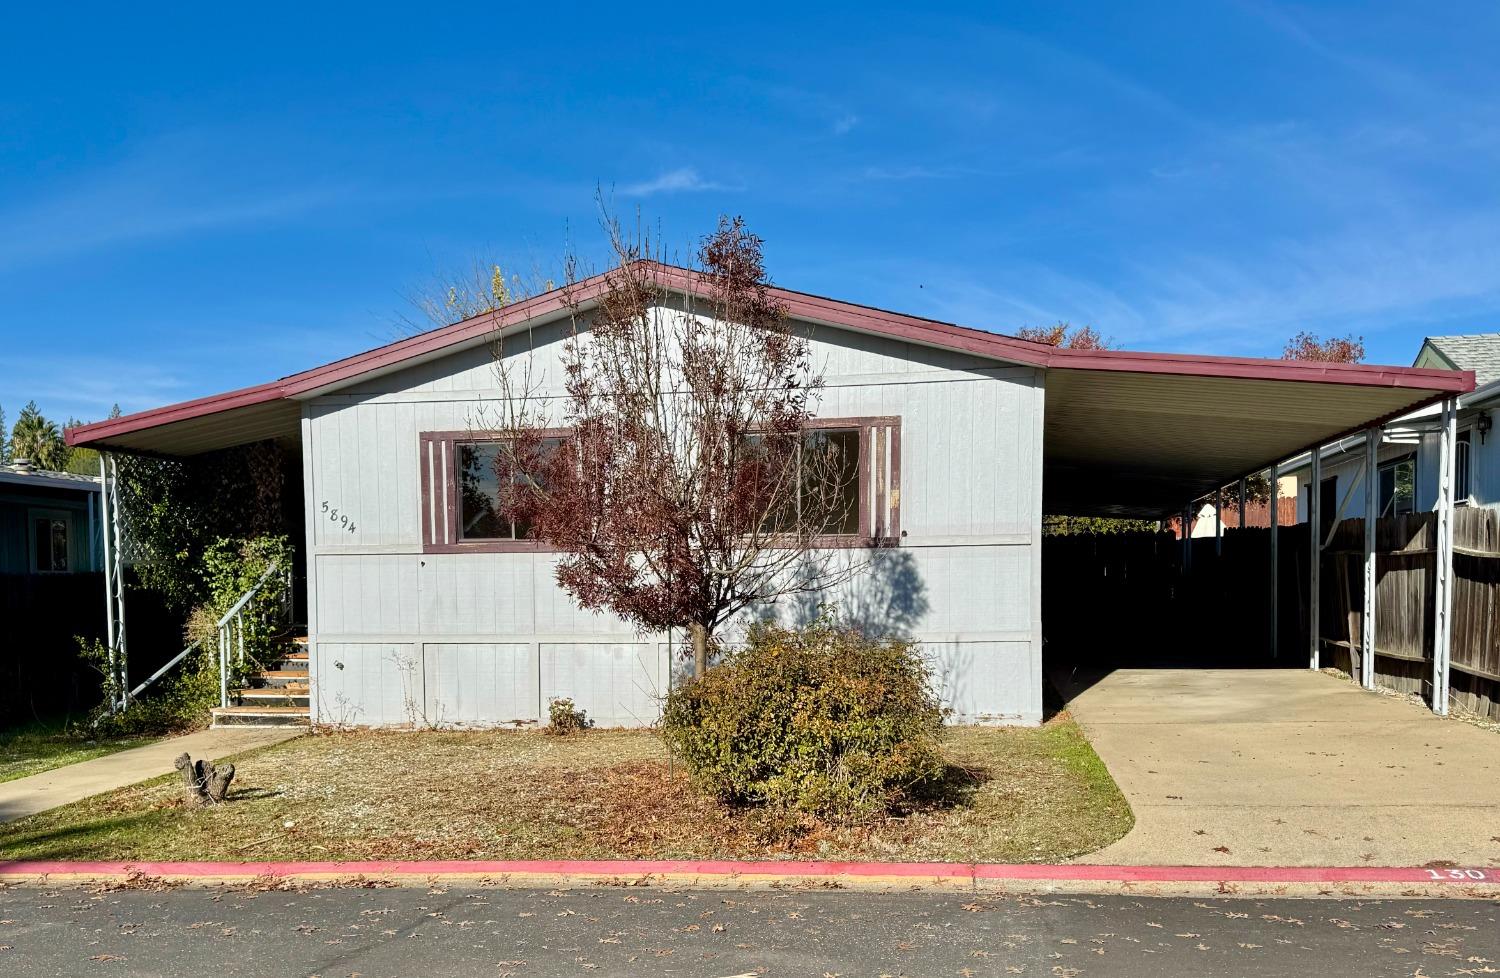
x=334, y=516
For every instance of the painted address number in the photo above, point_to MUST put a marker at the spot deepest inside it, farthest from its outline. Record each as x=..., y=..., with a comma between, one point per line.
x=1458, y=874
x=334, y=516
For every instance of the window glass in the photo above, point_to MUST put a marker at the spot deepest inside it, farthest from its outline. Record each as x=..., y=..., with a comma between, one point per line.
x=1328, y=504
x=1398, y=482
x=827, y=500
x=1462, y=477
x=51, y=545
x=481, y=465
x=831, y=479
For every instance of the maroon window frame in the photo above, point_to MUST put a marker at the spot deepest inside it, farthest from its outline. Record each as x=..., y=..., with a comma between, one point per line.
x=879, y=487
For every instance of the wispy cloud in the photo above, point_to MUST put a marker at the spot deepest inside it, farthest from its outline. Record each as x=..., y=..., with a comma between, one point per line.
x=1364, y=279
x=86, y=387
x=845, y=124
x=682, y=180
x=177, y=185
x=915, y=172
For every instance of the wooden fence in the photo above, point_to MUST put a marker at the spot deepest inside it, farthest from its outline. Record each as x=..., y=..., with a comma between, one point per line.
x=1405, y=581
x=1127, y=599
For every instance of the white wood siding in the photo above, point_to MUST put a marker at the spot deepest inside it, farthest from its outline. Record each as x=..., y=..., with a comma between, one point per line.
x=488, y=639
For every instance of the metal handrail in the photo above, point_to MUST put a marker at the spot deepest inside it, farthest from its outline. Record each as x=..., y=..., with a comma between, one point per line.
x=231, y=631
x=163, y=670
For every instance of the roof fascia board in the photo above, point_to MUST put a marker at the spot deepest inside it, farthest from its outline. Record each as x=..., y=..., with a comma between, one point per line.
x=302, y=392
x=816, y=309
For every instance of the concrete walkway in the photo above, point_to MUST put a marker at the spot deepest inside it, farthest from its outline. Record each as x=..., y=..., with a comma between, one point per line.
x=1287, y=767
x=64, y=785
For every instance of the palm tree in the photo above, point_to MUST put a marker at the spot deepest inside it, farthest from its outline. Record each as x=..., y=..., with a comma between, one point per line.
x=38, y=440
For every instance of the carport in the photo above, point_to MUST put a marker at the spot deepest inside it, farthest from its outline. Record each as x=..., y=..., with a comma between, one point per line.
x=1152, y=436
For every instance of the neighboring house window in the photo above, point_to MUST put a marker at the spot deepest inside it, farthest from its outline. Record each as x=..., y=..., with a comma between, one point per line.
x=1463, y=485
x=461, y=509
x=1398, y=486
x=49, y=544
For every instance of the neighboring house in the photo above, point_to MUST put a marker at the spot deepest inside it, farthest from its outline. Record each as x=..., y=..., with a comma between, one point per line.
x=48, y=521
x=1408, y=453
x=1257, y=512
x=965, y=439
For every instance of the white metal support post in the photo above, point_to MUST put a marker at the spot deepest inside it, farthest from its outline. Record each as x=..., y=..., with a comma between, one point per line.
x=122, y=642
x=112, y=527
x=1372, y=513
x=1442, y=618
x=1315, y=556
x=1275, y=560
x=108, y=548
x=1187, y=536
x=1219, y=522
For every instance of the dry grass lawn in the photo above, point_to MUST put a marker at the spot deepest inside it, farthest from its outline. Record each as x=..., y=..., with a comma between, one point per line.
x=39, y=747
x=1028, y=795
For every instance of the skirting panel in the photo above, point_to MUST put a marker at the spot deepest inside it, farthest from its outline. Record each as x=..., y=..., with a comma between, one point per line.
x=618, y=685
x=485, y=684
x=481, y=685
x=987, y=682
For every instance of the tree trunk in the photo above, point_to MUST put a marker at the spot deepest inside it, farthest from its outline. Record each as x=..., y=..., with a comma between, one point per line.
x=204, y=783
x=700, y=648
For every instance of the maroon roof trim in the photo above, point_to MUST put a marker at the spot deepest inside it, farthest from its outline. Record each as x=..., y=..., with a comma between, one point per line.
x=800, y=305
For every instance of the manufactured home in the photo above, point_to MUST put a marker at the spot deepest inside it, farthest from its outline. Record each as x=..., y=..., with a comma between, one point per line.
x=48, y=521
x=417, y=614
x=1408, y=453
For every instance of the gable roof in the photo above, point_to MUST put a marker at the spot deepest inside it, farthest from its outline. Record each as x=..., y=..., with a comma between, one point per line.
x=273, y=409
x=1479, y=352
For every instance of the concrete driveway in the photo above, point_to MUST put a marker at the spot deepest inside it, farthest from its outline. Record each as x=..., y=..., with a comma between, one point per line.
x=1287, y=767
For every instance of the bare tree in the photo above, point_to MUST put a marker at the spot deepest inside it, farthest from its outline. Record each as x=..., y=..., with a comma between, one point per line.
x=453, y=295
x=687, y=481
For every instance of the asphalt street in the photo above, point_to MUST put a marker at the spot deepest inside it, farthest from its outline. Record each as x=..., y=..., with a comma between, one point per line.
x=429, y=933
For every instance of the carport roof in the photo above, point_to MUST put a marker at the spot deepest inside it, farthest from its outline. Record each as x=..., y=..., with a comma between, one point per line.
x=1126, y=432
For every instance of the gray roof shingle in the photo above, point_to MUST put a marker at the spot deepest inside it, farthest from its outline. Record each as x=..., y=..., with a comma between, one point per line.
x=1479, y=352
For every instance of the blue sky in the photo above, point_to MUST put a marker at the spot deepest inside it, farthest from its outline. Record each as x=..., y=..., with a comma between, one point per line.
x=198, y=201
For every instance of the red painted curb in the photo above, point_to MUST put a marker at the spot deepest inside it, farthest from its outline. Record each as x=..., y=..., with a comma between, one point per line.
x=786, y=869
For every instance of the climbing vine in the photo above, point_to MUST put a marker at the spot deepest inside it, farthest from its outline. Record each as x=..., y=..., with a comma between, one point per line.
x=175, y=509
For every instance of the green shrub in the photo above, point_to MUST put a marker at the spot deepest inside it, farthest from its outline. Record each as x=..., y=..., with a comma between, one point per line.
x=565, y=718
x=232, y=566
x=822, y=721
x=176, y=703
x=181, y=700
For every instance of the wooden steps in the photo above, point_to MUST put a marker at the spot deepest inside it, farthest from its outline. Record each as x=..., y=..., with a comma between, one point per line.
x=260, y=716
x=275, y=697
